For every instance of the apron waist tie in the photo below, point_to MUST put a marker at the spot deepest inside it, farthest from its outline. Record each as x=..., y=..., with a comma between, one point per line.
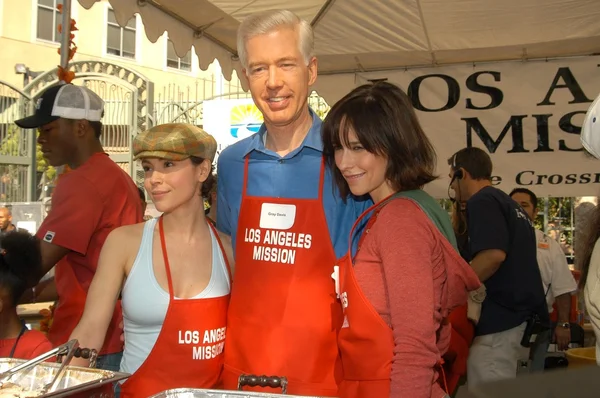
x=440, y=365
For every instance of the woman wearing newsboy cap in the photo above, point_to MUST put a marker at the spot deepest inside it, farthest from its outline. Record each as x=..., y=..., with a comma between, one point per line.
x=172, y=272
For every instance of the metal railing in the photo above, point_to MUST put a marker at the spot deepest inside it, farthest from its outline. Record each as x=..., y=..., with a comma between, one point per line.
x=16, y=147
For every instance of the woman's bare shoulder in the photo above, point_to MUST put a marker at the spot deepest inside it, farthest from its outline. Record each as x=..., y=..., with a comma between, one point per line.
x=127, y=237
x=123, y=244
x=129, y=231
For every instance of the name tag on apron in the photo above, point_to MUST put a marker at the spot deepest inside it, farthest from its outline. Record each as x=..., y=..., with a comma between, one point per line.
x=277, y=216
x=543, y=245
x=336, y=278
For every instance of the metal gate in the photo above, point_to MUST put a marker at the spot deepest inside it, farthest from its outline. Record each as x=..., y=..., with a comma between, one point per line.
x=18, y=180
x=128, y=103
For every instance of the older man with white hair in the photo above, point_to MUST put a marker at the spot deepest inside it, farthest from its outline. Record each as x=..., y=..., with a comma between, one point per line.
x=288, y=224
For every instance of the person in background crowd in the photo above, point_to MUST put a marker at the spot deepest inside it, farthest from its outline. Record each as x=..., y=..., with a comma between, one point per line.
x=173, y=271
x=558, y=281
x=589, y=259
x=89, y=201
x=402, y=283
x=6, y=224
x=502, y=248
x=274, y=186
x=589, y=264
x=19, y=259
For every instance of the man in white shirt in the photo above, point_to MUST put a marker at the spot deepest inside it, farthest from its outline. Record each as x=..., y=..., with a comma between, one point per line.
x=590, y=278
x=558, y=281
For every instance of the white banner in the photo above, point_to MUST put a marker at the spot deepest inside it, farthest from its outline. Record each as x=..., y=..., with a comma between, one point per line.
x=230, y=120
x=527, y=115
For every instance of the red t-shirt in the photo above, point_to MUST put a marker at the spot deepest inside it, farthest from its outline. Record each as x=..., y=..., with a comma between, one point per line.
x=87, y=204
x=31, y=344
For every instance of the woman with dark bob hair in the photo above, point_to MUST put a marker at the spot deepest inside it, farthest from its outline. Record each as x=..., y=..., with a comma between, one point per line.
x=406, y=276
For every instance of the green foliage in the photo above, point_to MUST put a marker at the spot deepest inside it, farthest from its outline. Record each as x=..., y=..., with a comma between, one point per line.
x=559, y=216
x=42, y=164
x=13, y=144
x=446, y=204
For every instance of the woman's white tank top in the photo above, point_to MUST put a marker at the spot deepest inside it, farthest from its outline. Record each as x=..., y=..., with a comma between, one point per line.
x=145, y=303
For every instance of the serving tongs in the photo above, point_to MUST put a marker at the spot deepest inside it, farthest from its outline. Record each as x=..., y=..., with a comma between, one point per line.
x=67, y=350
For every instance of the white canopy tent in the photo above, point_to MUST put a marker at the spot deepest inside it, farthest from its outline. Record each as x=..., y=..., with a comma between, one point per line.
x=370, y=35
x=400, y=40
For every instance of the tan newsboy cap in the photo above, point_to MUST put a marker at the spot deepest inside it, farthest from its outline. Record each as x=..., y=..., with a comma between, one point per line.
x=174, y=141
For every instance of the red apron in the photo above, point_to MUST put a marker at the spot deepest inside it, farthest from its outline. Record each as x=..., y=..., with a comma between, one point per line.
x=366, y=342
x=284, y=316
x=68, y=312
x=461, y=337
x=188, y=350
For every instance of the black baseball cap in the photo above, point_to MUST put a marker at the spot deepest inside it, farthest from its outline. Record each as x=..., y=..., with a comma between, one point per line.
x=64, y=101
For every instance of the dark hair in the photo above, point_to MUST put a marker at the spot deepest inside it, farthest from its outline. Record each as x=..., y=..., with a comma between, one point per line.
x=475, y=161
x=385, y=124
x=210, y=180
x=20, y=263
x=142, y=194
x=588, y=241
x=532, y=197
x=212, y=190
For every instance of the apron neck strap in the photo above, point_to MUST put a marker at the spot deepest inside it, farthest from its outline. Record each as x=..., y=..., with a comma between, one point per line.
x=163, y=246
x=375, y=208
x=227, y=265
x=21, y=333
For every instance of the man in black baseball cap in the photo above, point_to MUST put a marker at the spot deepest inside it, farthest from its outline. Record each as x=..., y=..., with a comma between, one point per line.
x=93, y=198
x=68, y=119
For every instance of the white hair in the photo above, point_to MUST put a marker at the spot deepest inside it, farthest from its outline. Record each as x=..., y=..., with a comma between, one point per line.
x=268, y=21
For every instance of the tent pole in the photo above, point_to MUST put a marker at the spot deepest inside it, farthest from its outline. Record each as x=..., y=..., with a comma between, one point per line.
x=66, y=35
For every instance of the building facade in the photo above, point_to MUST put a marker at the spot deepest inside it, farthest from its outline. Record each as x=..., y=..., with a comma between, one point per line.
x=142, y=83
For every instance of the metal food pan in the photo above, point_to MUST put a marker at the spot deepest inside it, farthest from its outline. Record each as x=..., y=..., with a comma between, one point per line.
x=75, y=380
